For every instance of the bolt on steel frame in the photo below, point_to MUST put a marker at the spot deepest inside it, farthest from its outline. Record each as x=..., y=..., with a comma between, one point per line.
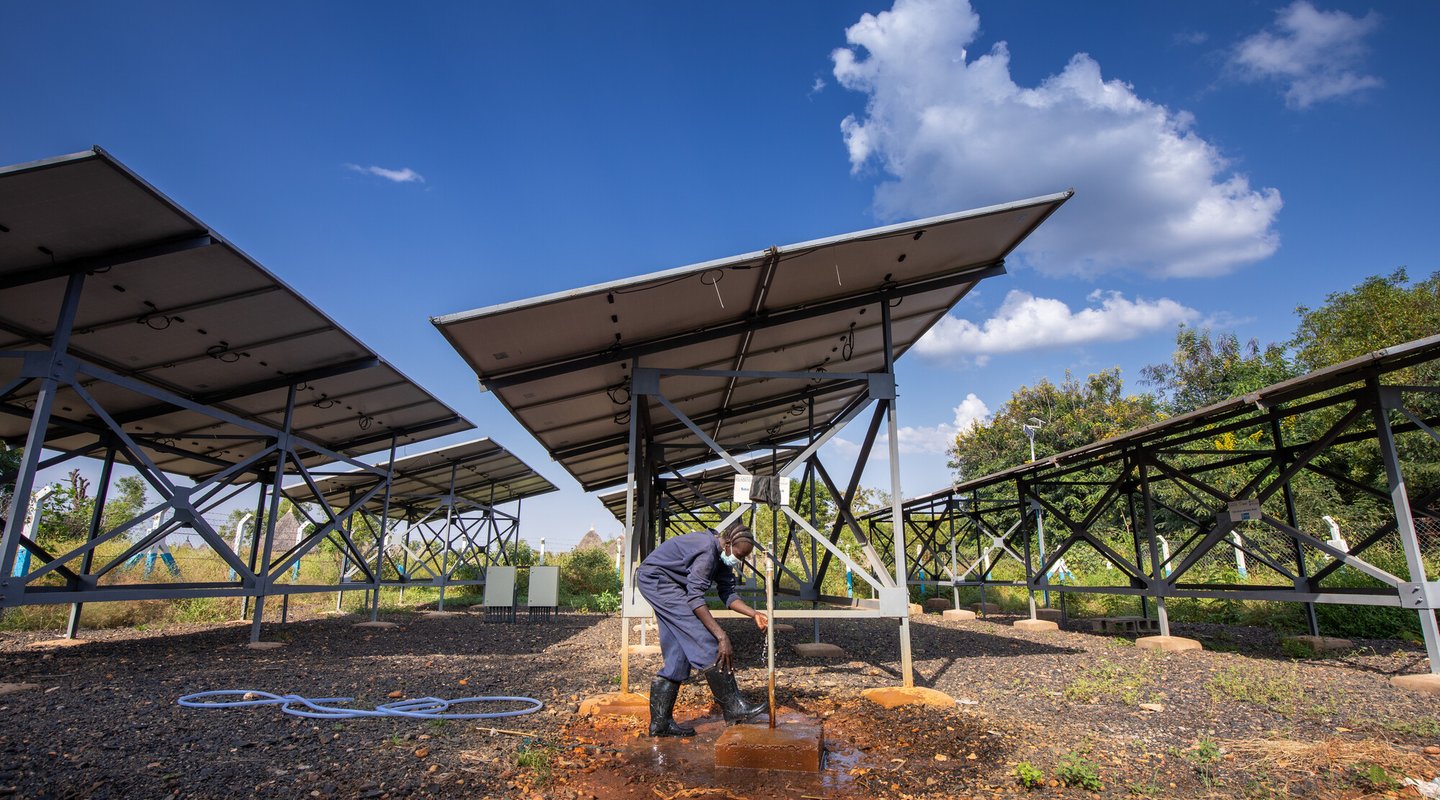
x=647, y=470
x=1218, y=482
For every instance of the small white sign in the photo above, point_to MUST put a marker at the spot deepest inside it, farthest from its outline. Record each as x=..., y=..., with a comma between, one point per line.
x=1243, y=510
x=742, y=488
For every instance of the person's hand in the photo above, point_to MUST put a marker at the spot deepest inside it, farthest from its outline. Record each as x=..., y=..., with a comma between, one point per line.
x=726, y=652
x=761, y=621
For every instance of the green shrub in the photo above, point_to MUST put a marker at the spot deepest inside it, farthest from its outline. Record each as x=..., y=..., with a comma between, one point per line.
x=1029, y=775
x=1076, y=770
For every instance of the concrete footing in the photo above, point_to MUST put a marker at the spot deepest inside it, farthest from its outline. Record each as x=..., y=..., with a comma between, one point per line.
x=783, y=627
x=381, y=625
x=1322, y=644
x=958, y=614
x=1051, y=614
x=50, y=643
x=440, y=614
x=644, y=649
x=916, y=609
x=1035, y=625
x=616, y=704
x=1168, y=644
x=893, y=696
x=10, y=688
x=792, y=746
x=986, y=608
x=1429, y=684
x=264, y=645
x=817, y=650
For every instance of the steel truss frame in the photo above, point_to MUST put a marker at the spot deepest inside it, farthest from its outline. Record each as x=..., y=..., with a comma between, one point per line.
x=259, y=573
x=1149, y=486
x=442, y=536
x=652, y=513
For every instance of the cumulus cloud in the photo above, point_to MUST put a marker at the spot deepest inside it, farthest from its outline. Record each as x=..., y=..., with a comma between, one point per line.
x=932, y=439
x=1027, y=322
x=1315, y=54
x=405, y=175
x=954, y=131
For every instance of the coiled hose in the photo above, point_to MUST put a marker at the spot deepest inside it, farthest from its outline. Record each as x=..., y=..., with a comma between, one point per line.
x=325, y=708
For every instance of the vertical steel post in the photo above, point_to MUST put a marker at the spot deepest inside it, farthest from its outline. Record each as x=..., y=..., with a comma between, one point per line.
x=345, y=558
x=450, y=534
x=1135, y=535
x=1303, y=570
x=1404, y=517
x=255, y=544
x=97, y=517
x=897, y=525
x=627, y=574
x=1029, y=563
x=1157, y=571
x=262, y=575
x=49, y=386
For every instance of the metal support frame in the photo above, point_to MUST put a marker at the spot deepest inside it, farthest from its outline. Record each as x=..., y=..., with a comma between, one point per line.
x=1183, y=486
x=653, y=511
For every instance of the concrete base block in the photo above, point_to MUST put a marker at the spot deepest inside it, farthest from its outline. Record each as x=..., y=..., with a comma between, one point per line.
x=987, y=608
x=264, y=645
x=783, y=627
x=377, y=625
x=817, y=650
x=1168, y=644
x=935, y=605
x=893, y=696
x=10, y=688
x=644, y=649
x=1051, y=614
x=792, y=746
x=958, y=614
x=1322, y=644
x=54, y=643
x=1035, y=625
x=916, y=609
x=440, y=614
x=1429, y=684
x=616, y=704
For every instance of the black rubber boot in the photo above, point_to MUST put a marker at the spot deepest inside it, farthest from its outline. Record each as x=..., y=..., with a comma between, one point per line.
x=727, y=694
x=663, y=692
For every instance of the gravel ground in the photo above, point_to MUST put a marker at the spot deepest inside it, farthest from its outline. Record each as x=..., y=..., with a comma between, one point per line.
x=1237, y=720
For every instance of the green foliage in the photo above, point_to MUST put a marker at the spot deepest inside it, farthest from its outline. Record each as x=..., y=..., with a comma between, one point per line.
x=1129, y=682
x=607, y=602
x=588, y=571
x=1074, y=413
x=1297, y=650
x=537, y=757
x=1205, y=754
x=1378, y=313
x=1076, y=770
x=1374, y=778
x=1206, y=369
x=1029, y=775
x=1247, y=683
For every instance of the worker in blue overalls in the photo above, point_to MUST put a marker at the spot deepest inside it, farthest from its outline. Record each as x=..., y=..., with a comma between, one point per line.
x=674, y=579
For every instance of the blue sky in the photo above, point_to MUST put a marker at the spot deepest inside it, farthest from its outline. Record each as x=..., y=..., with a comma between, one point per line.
x=1231, y=160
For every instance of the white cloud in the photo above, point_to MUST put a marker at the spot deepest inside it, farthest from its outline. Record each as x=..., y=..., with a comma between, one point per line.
x=817, y=87
x=1316, y=54
x=405, y=175
x=933, y=439
x=1026, y=322
x=955, y=132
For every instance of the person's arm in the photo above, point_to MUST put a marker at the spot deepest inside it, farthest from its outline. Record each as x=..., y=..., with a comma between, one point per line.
x=741, y=607
x=724, y=651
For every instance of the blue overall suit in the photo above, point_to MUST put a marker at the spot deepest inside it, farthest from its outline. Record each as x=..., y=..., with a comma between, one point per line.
x=674, y=579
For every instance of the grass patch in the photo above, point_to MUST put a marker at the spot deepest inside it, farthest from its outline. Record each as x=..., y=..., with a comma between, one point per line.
x=537, y=757
x=1282, y=694
x=1130, y=683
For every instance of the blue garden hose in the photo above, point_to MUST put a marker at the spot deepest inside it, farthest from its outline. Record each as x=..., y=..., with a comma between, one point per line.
x=323, y=708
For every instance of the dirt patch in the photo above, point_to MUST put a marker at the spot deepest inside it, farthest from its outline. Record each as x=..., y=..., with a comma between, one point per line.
x=1068, y=706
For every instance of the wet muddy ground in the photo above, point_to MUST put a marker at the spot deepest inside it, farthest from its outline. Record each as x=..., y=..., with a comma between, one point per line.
x=1065, y=710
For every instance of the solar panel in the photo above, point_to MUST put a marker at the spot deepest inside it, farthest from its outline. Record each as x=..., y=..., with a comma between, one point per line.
x=485, y=473
x=561, y=363
x=170, y=304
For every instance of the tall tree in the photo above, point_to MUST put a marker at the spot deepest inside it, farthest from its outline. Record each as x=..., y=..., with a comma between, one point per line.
x=1207, y=368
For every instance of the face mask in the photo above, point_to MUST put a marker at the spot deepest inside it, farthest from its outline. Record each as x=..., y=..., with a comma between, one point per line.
x=730, y=560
